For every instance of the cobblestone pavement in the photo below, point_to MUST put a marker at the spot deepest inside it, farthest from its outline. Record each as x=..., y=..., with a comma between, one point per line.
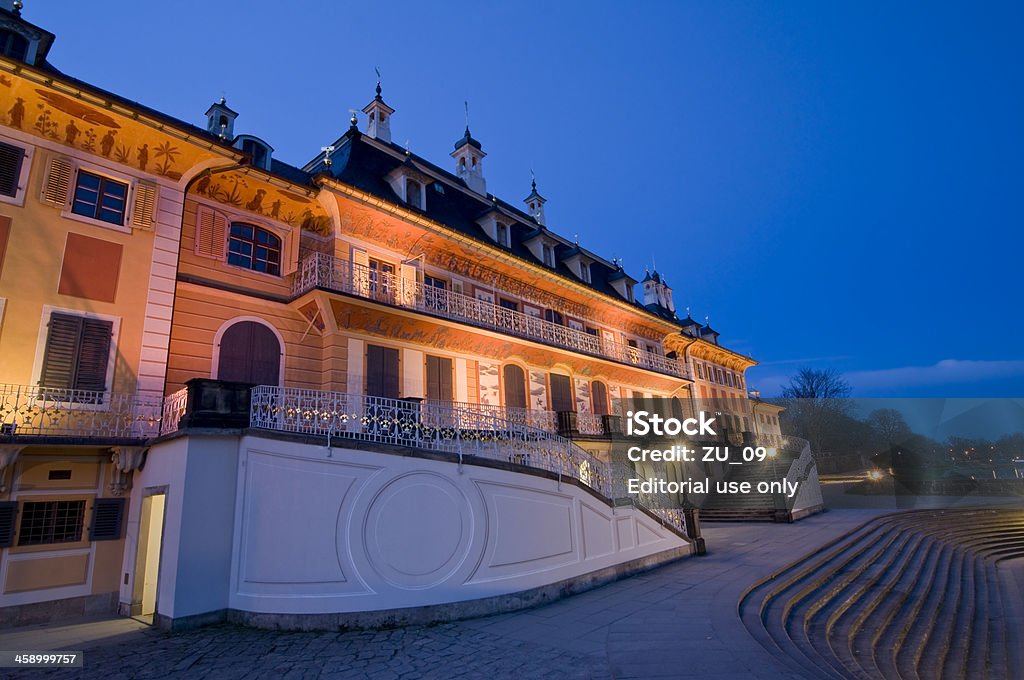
x=676, y=621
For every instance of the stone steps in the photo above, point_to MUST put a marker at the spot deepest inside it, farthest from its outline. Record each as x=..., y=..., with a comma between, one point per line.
x=913, y=595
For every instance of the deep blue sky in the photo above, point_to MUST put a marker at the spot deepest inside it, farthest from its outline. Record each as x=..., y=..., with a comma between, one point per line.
x=836, y=185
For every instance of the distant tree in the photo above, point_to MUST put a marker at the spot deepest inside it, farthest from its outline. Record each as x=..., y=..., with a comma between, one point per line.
x=809, y=383
x=816, y=406
x=889, y=426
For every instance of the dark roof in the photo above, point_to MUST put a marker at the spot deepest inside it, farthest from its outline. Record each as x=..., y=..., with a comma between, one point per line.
x=361, y=163
x=45, y=37
x=468, y=139
x=290, y=172
x=688, y=321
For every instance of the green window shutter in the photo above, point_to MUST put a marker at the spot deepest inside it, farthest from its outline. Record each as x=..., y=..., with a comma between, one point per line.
x=11, y=158
x=107, y=519
x=8, y=510
x=61, y=356
x=77, y=352
x=94, y=355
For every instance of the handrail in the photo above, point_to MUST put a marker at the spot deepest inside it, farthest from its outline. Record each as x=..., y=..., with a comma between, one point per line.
x=32, y=410
x=463, y=429
x=326, y=271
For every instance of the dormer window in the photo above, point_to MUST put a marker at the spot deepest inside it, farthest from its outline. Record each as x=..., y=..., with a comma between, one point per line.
x=549, y=255
x=502, y=230
x=13, y=45
x=414, y=193
x=584, y=271
x=258, y=150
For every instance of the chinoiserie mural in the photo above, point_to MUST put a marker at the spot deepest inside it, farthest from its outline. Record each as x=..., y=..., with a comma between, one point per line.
x=87, y=127
x=248, y=192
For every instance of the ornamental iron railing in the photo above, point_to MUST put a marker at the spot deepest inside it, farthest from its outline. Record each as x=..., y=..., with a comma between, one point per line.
x=173, y=410
x=27, y=410
x=463, y=429
x=320, y=270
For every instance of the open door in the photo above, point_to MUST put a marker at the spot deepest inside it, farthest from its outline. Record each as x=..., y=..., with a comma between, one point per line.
x=147, y=562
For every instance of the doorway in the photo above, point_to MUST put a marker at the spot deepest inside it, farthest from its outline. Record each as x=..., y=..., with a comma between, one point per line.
x=147, y=561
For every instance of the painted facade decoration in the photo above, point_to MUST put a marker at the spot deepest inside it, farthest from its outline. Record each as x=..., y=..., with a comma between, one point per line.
x=343, y=293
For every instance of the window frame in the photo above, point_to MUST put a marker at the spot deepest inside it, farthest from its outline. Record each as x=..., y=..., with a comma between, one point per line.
x=81, y=539
x=102, y=171
x=99, y=206
x=253, y=242
x=27, y=153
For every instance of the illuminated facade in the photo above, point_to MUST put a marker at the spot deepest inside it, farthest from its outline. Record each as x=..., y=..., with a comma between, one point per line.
x=139, y=253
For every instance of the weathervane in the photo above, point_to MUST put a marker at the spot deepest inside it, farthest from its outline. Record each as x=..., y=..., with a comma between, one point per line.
x=328, y=150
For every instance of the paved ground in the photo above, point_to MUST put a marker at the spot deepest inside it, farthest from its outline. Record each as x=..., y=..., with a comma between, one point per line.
x=674, y=622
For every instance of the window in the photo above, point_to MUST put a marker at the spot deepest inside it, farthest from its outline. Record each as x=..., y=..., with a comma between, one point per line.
x=561, y=393
x=382, y=279
x=432, y=295
x=11, y=158
x=700, y=371
x=13, y=45
x=258, y=152
x=514, y=382
x=413, y=193
x=434, y=282
x=508, y=304
x=599, y=397
x=382, y=372
x=51, y=522
x=254, y=248
x=77, y=354
x=439, y=379
x=554, y=317
x=590, y=330
x=651, y=349
x=100, y=198
x=502, y=234
x=584, y=271
x=549, y=255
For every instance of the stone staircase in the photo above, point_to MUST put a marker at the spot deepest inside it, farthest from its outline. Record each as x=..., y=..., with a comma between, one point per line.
x=921, y=594
x=753, y=506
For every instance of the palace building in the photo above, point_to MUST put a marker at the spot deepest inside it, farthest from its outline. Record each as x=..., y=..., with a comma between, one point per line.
x=237, y=388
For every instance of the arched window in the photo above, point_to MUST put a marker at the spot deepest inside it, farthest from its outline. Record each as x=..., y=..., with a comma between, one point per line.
x=599, y=395
x=13, y=45
x=515, y=386
x=254, y=248
x=413, y=193
x=250, y=353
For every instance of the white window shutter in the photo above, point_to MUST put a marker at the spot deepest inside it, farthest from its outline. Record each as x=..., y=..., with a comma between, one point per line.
x=58, y=182
x=409, y=277
x=360, y=271
x=144, y=205
x=211, y=233
x=458, y=287
x=291, y=251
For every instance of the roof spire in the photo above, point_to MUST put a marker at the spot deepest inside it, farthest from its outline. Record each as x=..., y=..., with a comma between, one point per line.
x=377, y=70
x=466, y=104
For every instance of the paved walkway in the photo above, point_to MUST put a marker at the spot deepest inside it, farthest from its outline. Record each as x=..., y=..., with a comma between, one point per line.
x=674, y=622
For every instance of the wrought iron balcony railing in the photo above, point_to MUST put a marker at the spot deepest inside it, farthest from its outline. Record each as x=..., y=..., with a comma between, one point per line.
x=27, y=410
x=324, y=271
x=464, y=429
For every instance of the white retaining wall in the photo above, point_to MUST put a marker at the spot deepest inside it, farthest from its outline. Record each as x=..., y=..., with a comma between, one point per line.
x=273, y=526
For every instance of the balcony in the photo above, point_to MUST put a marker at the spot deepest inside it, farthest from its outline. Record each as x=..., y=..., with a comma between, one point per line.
x=330, y=273
x=467, y=430
x=35, y=411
